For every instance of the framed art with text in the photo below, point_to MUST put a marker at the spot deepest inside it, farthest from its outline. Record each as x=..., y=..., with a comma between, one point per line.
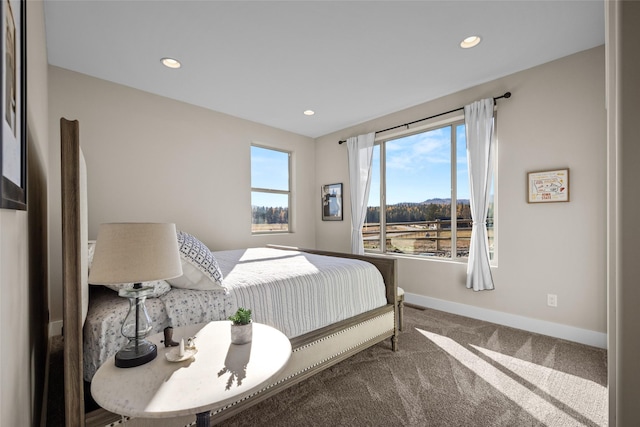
x=332, y=202
x=13, y=167
x=548, y=186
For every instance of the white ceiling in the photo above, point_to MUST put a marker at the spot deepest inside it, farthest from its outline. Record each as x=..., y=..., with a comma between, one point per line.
x=350, y=61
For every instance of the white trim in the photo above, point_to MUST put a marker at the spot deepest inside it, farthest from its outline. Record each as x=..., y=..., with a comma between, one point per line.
x=55, y=328
x=556, y=330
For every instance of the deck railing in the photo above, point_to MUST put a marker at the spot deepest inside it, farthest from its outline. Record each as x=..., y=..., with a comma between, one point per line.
x=421, y=237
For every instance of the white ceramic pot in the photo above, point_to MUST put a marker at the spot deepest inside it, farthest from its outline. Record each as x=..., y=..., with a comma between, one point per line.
x=241, y=334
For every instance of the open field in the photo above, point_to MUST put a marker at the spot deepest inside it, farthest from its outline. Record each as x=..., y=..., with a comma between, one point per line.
x=268, y=228
x=426, y=238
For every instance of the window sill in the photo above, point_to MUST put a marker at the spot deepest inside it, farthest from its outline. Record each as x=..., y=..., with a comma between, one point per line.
x=272, y=233
x=462, y=260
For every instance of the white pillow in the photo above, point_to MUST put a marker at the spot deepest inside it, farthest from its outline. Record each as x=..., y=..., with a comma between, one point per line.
x=199, y=267
x=161, y=287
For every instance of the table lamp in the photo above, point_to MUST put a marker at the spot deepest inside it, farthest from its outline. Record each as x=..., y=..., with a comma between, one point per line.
x=135, y=253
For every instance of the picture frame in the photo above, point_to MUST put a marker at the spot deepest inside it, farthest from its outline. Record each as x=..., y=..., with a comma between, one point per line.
x=13, y=140
x=332, y=202
x=548, y=186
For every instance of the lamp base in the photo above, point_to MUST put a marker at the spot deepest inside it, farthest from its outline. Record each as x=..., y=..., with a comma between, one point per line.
x=133, y=355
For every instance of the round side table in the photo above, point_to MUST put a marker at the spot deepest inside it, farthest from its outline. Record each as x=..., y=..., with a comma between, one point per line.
x=218, y=374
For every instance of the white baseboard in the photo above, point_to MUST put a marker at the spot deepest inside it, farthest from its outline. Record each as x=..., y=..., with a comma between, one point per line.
x=556, y=330
x=55, y=328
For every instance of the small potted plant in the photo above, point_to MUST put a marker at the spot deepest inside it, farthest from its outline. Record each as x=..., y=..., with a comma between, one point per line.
x=241, y=326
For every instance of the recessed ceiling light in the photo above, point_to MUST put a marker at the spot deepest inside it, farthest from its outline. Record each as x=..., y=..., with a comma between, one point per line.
x=171, y=63
x=469, y=42
x=309, y=112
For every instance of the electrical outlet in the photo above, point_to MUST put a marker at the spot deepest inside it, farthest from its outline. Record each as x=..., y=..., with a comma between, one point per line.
x=552, y=300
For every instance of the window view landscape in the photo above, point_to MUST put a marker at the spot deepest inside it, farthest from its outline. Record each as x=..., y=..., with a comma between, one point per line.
x=270, y=193
x=419, y=183
x=423, y=178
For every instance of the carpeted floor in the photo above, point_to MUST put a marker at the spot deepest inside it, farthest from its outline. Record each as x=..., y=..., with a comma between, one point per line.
x=450, y=371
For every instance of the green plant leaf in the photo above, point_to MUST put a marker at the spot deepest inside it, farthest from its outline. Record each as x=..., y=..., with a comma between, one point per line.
x=241, y=317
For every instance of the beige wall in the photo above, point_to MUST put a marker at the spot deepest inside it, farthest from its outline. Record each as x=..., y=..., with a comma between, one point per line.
x=23, y=265
x=154, y=159
x=15, y=397
x=555, y=118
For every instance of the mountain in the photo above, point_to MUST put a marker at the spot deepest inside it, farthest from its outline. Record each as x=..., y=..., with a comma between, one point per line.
x=437, y=201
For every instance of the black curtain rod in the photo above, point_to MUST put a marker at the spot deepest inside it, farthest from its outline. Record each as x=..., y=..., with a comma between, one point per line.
x=506, y=95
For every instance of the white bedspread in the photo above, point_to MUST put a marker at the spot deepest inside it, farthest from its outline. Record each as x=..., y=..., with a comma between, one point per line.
x=293, y=291
x=297, y=292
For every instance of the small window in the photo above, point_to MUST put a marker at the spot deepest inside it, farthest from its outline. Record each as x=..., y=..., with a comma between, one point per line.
x=270, y=190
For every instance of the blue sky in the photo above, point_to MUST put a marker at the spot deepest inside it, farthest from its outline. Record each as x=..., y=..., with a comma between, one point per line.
x=418, y=167
x=269, y=169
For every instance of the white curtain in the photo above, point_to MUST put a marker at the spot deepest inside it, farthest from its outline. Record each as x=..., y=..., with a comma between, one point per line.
x=478, y=118
x=360, y=150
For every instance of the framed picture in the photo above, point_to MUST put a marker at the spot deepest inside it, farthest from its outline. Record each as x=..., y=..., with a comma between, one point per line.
x=548, y=186
x=13, y=165
x=332, y=202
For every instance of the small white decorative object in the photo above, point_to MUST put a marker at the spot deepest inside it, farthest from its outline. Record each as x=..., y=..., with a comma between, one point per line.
x=181, y=351
x=191, y=343
x=173, y=355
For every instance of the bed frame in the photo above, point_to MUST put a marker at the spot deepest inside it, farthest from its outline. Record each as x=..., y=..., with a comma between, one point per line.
x=311, y=353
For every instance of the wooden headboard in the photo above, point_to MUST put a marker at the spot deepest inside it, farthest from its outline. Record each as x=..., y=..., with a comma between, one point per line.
x=74, y=269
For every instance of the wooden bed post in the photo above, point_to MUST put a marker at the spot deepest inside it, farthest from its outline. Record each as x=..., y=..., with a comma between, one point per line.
x=71, y=273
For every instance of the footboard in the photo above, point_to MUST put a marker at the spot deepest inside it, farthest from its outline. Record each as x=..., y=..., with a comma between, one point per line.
x=317, y=351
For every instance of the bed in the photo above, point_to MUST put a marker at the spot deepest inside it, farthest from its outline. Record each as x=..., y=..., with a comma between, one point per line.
x=350, y=324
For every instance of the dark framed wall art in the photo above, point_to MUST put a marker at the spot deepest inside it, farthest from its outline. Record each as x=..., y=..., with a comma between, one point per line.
x=332, y=202
x=13, y=167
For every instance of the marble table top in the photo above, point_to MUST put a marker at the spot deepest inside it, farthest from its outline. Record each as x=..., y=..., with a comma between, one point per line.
x=218, y=374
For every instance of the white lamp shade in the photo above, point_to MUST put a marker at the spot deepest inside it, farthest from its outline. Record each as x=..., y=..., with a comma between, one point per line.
x=135, y=252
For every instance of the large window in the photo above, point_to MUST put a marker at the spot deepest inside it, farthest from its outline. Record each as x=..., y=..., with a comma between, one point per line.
x=270, y=190
x=419, y=199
